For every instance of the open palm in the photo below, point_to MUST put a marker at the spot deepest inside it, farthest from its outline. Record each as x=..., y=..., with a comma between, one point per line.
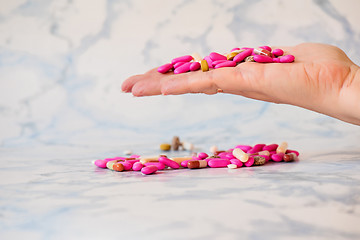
x=321, y=79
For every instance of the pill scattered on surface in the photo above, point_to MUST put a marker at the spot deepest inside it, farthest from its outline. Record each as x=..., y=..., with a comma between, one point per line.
x=149, y=170
x=232, y=166
x=165, y=147
x=240, y=154
x=192, y=164
x=168, y=162
x=237, y=157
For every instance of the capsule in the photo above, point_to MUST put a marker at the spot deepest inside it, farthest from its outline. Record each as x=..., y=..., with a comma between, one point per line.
x=202, y=155
x=282, y=148
x=225, y=64
x=204, y=65
x=137, y=166
x=277, y=157
x=186, y=58
x=240, y=154
x=165, y=68
x=278, y=52
x=249, y=162
x=262, y=59
x=197, y=164
x=232, y=166
x=183, y=68
x=144, y=160
x=217, y=56
x=149, y=169
x=119, y=167
x=263, y=52
x=194, y=66
x=110, y=164
x=241, y=56
x=168, y=162
x=270, y=147
x=237, y=162
x=159, y=165
x=287, y=59
x=218, y=163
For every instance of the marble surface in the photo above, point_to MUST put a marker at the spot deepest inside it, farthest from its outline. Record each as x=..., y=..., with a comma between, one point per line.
x=61, y=67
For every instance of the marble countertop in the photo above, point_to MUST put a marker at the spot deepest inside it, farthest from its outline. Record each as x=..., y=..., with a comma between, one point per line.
x=61, y=66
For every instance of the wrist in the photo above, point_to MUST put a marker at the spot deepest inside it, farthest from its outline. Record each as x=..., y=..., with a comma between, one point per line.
x=349, y=97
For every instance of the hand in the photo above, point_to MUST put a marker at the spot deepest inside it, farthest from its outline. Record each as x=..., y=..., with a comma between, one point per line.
x=321, y=79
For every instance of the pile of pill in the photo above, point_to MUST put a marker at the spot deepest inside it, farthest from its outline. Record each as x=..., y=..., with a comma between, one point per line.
x=237, y=157
x=194, y=62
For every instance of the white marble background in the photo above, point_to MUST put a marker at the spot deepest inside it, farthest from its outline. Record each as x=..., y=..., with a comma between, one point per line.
x=61, y=66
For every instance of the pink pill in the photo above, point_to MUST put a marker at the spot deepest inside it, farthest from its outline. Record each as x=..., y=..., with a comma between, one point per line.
x=263, y=59
x=278, y=52
x=135, y=156
x=169, y=162
x=270, y=147
x=115, y=158
x=159, y=165
x=276, y=60
x=214, y=63
x=287, y=59
x=218, y=163
x=137, y=166
x=149, y=169
x=235, y=49
x=178, y=64
x=100, y=163
x=277, y=157
x=249, y=162
x=186, y=58
x=237, y=162
x=245, y=148
x=222, y=155
x=209, y=61
x=132, y=161
x=127, y=165
x=247, y=48
x=266, y=48
x=202, y=155
x=258, y=147
x=195, y=66
x=216, y=56
x=183, y=68
x=165, y=68
x=293, y=151
x=225, y=64
x=241, y=56
x=184, y=163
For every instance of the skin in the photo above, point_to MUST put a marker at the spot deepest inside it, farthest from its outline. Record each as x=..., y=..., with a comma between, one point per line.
x=322, y=79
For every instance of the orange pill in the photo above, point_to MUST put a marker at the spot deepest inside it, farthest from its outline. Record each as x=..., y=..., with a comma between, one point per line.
x=118, y=167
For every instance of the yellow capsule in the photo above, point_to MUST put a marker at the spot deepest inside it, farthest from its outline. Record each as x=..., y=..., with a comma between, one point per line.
x=204, y=65
x=144, y=160
x=230, y=56
x=165, y=147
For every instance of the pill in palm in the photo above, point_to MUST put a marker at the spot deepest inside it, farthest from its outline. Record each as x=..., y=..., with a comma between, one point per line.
x=186, y=58
x=225, y=64
x=241, y=56
x=183, y=68
x=165, y=68
x=195, y=66
x=217, y=56
x=263, y=59
x=287, y=59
